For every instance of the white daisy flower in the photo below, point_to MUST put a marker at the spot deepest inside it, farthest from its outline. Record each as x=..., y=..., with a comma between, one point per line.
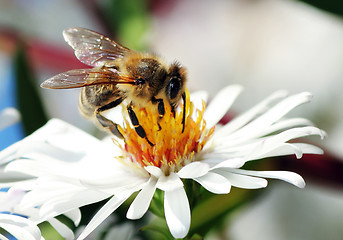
x=18, y=226
x=16, y=222
x=23, y=223
x=69, y=168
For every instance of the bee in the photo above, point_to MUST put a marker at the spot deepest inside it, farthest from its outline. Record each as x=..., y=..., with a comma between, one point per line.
x=119, y=74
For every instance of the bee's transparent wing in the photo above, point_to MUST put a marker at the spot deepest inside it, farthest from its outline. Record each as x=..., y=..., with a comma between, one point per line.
x=85, y=77
x=93, y=48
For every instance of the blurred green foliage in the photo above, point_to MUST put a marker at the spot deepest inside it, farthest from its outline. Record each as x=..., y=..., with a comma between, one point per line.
x=129, y=19
x=49, y=232
x=211, y=213
x=333, y=6
x=158, y=229
x=28, y=99
x=156, y=205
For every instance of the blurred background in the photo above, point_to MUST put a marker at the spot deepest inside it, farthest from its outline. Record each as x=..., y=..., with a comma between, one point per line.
x=265, y=45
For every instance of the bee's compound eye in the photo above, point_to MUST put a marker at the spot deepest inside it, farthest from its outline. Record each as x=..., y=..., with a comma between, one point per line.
x=174, y=87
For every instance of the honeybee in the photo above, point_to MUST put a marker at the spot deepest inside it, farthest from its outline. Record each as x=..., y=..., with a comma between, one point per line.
x=118, y=74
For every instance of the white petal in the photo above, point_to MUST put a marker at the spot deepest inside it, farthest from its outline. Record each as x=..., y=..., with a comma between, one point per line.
x=278, y=149
x=59, y=197
x=10, y=199
x=293, y=148
x=253, y=128
x=286, y=176
x=282, y=108
x=242, y=181
x=193, y=170
x=198, y=97
x=116, y=114
x=229, y=163
x=154, y=171
x=66, y=203
x=169, y=183
x=246, y=117
x=49, y=190
x=297, y=133
x=214, y=183
x=57, y=136
x=19, y=227
x=8, y=116
x=102, y=214
x=309, y=148
x=220, y=104
x=271, y=143
x=116, y=182
x=285, y=124
x=9, y=153
x=55, y=132
x=177, y=212
x=140, y=205
x=8, y=178
x=74, y=215
x=34, y=168
x=62, y=229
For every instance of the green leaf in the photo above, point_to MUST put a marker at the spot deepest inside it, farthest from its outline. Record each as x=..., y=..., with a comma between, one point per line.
x=158, y=229
x=129, y=19
x=211, y=212
x=332, y=6
x=196, y=237
x=156, y=205
x=194, y=191
x=49, y=232
x=28, y=99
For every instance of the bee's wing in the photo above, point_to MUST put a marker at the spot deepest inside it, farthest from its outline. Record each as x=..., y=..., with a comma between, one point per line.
x=85, y=77
x=93, y=48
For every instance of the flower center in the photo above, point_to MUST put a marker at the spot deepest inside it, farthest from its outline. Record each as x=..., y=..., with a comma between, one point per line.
x=172, y=149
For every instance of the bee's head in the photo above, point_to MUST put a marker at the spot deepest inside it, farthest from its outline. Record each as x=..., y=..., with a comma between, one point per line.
x=147, y=72
x=154, y=79
x=176, y=80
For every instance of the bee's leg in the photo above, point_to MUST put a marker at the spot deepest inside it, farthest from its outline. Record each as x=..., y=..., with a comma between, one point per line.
x=173, y=110
x=160, y=108
x=106, y=123
x=184, y=111
x=139, y=129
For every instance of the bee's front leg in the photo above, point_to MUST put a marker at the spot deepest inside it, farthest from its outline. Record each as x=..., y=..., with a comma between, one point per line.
x=184, y=111
x=139, y=129
x=105, y=122
x=160, y=108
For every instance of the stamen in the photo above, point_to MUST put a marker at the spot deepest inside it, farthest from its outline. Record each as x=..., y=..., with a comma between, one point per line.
x=173, y=148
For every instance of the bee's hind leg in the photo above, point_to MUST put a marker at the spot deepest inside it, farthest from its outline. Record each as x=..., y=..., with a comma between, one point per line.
x=105, y=122
x=139, y=129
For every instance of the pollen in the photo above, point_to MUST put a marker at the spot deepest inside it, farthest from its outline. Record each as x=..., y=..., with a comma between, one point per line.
x=170, y=147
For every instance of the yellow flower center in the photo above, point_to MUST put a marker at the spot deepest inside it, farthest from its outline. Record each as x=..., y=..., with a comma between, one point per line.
x=172, y=149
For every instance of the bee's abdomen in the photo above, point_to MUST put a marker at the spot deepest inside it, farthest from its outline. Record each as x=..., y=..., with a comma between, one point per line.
x=93, y=97
x=85, y=108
